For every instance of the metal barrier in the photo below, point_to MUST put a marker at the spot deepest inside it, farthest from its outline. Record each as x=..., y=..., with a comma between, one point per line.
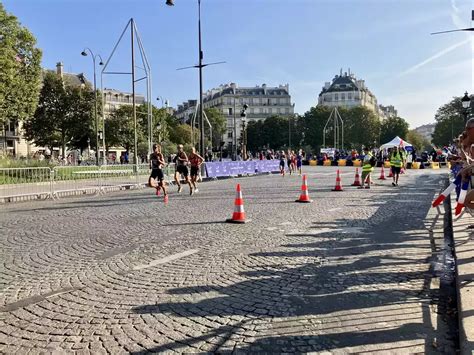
x=17, y=184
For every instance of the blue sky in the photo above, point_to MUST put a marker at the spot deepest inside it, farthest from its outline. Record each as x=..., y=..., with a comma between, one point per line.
x=300, y=42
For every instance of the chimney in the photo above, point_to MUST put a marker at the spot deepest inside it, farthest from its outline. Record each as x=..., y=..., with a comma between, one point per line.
x=60, y=69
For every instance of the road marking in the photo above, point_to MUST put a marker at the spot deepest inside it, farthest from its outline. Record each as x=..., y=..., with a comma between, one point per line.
x=166, y=259
x=335, y=209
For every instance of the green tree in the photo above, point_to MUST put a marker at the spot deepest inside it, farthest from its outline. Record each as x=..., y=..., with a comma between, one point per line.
x=218, y=123
x=64, y=115
x=449, y=122
x=20, y=74
x=312, y=123
x=361, y=127
x=182, y=134
x=392, y=127
x=417, y=140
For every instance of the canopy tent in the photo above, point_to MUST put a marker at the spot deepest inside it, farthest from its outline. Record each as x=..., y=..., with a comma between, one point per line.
x=396, y=142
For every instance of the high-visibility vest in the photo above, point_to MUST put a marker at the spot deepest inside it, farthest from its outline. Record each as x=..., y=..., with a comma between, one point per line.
x=396, y=160
x=367, y=167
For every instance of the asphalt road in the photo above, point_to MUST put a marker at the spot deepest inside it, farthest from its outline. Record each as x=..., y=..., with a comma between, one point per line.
x=124, y=272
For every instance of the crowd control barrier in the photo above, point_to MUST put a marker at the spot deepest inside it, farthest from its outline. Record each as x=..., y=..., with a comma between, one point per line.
x=236, y=168
x=18, y=184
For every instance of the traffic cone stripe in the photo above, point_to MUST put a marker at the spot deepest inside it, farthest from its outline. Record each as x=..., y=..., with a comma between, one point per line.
x=239, y=214
x=357, y=178
x=446, y=192
x=382, y=174
x=304, y=196
x=462, y=197
x=338, y=186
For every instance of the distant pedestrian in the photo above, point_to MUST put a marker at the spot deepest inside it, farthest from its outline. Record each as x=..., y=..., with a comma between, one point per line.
x=367, y=168
x=396, y=163
x=299, y=161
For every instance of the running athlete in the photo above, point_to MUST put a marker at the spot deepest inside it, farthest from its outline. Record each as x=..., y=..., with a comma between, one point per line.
x=182, y=169
x=282, y=163
x=289, y=161
x=299, y=161
x=196, y=160
x=156, y=179
x=293, y=161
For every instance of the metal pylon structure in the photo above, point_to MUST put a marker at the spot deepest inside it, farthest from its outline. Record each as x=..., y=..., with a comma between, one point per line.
x=134, y=39
x=338, y=127
x=193, y=126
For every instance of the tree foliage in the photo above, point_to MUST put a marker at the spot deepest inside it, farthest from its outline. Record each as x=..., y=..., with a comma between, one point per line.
x=449, y=122
x=392, y=127
x=218, y=123
x=20, y=74
x=64, y=115
x=418, y=141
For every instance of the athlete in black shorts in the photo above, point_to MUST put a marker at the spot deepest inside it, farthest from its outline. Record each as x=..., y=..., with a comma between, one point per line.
x=156, y=179
x=182, y=169
x=196, y=160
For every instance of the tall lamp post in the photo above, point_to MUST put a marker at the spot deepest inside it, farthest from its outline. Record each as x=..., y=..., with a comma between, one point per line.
x=94, y=57
x=243, y=116
x=466, y=105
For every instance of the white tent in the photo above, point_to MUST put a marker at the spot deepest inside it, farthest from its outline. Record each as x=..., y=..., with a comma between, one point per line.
x=396, y=142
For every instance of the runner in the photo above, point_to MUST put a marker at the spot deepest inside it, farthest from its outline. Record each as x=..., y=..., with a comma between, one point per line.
x=181, y=160
x=396, y=163
x=196, y=160
x=293, y=161
x=156, y=179
x=282, y=163
x=289, y=162
x=299, y=161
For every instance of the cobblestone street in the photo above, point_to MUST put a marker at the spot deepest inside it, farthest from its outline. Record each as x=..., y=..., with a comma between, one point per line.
x=123, y=272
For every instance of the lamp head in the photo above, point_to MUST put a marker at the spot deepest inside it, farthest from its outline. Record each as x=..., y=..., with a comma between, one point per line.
x=84, y=53
x=101, y=63
x=466, y=100
x=169, y=2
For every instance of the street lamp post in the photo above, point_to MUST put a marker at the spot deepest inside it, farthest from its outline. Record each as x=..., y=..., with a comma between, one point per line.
x=466, y=104
x=243, y=116
x=94, y=57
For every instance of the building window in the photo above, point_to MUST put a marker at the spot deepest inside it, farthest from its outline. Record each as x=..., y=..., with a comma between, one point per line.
x=230, y=111
x=10, y=143
x=349, y=96
x=336, y=97
x=229, y=134
x=287, y=110
x=278, y=110
x=257, y=110
x=274, y=101
x=343, y=97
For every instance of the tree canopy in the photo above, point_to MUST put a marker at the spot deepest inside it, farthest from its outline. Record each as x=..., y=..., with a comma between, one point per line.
x=392, y=127
x=64, y=115
x=449, y=122
x=20, y=76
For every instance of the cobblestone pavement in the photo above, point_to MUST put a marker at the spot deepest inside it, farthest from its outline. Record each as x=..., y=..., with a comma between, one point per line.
x=125, y=273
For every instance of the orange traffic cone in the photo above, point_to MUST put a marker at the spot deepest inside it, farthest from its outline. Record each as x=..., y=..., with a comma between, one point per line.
x=357, y=178
x=382, y=174
x=304, y=197
x=239, y=213
x=390, y=174
x=338, y=182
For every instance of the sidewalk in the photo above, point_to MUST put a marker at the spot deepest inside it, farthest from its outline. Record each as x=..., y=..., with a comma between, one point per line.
x=464, y=248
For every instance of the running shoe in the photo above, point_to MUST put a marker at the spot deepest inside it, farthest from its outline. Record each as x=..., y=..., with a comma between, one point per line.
x=393, y=184
x=367, y=187
x=157, y=192
x=166, y=199
x=180, y=188
x=196, y=190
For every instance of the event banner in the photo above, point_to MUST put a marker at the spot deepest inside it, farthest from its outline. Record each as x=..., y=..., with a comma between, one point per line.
x=235, y=168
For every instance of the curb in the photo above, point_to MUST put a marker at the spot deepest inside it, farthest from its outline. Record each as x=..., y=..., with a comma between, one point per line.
x=464, y=253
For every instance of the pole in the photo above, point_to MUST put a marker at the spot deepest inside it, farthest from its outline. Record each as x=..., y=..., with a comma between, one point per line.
x=234, y=136
x=135, y=153
x=201, y=109
x=289, y=132
x=95, y=113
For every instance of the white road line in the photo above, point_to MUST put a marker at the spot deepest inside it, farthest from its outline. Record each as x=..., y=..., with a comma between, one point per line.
x=335, y=209
x=166, y=259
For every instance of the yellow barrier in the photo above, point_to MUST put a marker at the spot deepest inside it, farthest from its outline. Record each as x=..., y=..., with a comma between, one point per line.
x=312, y=163
x=357, y=163
x=341, y=162
x=386, y=164
x=434, y=165
x=327, y=163
x=415, y=165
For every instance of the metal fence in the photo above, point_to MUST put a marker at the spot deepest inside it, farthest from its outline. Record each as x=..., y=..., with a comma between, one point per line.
x=17, y=184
